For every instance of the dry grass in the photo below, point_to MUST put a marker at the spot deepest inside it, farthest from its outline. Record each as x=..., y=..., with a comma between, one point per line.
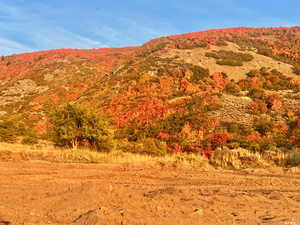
x=232, y=159
x=15, y=152
x=242, y=158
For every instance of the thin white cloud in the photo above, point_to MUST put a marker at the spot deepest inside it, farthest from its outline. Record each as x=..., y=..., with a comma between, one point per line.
x=132, y=32
x=61, y=38
x=19, y=25
x=8, y=47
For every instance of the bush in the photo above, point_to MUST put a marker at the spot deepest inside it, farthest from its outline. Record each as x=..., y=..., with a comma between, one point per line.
x=263, y=126
x=293, y=159
x=264, y=51
x=232, y=88
x=30, y=140
x=229, y=62
x=8, y=131
x=78, y=126
x=253, y=73
x=199, y=73
x=258, y=107
x=219, y=139
x=296, y=70
x=256, y=93
x=229, y=58
x=149, y=146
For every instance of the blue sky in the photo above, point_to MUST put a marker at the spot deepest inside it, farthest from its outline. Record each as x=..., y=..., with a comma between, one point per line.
x=30, y=25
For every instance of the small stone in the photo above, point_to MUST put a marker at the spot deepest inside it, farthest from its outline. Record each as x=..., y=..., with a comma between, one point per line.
x=267, y=218
x=198, y=212
x=2, y=222
x=234, y=214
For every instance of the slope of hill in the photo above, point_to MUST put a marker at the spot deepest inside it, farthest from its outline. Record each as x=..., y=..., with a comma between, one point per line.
x=237, y=87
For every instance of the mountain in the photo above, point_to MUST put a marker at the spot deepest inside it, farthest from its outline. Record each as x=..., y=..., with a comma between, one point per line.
x=238, y=86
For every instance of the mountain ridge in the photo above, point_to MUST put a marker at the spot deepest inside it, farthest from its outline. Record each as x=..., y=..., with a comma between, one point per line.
x=171, y=85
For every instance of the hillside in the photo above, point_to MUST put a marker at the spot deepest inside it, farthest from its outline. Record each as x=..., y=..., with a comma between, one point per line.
x=237, y=87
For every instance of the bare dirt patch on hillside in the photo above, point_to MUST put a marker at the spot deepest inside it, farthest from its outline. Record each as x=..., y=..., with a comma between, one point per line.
x=39, y=193
x=197, y=57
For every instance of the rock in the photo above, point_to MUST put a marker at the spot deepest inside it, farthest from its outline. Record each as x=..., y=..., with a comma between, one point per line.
x=89, y=218
x=267, y=218
x=198, y=212
x=2, y=222
x=234, y=214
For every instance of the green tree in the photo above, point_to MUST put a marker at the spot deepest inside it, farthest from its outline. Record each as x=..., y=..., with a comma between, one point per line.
x=78, y=126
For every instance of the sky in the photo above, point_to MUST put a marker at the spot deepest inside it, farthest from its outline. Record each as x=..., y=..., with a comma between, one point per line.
x=32, y=25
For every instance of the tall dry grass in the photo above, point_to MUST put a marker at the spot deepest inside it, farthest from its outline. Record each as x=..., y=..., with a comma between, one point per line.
x=49, y=153
x=224, y=158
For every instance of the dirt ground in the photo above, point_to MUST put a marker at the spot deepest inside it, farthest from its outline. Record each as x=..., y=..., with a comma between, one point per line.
x=42, y=193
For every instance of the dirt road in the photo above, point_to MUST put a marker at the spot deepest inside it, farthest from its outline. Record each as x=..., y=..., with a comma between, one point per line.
x=41, y=193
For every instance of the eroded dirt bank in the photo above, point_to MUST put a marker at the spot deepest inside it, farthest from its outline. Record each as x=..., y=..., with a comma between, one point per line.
x=40, y=193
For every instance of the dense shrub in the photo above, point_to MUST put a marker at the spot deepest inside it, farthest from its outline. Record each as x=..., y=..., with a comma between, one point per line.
x=229, y=58
x=30, y=140
x=258, y=107
x=199, y=73
x=293, y=159
x=150, y=146
x=267, y=79
x=229, y=62
x=256, y=93
x=264, y=51
x=263, y=126
x=77, y=126
x=9, y=131
x=253, y=73
x=219, y=139
x=296, y=70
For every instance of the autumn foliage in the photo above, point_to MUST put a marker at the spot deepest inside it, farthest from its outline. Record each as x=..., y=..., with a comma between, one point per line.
x=161, y=104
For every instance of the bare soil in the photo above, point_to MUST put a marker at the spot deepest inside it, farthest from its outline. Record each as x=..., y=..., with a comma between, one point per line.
x=40, y=193
x=197, y=57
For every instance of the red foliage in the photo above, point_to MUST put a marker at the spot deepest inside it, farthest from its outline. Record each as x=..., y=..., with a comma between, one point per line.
x=149, y=107
x=275, y=101
x=220, y=79
x=218, y=139
x=280, y=127
x=206, y=153
x=33, y=117
x=254, y=137
x=177, y=149
x=163, y=135
x=258, y=106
